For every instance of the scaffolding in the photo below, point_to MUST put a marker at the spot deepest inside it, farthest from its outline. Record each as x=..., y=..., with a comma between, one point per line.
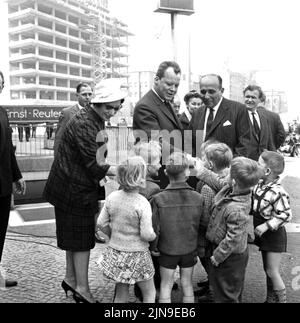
x=97, y=42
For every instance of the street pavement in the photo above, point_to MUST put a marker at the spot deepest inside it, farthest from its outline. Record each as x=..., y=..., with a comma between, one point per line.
x=31, y=257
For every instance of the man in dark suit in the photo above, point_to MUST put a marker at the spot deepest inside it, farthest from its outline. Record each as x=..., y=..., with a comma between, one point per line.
x=9, y=174
x=155, y=119
x=84, y=95
x=278, y=133
x=260, y=132
x=220, y=119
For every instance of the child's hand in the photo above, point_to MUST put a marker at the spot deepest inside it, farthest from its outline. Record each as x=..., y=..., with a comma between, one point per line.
x=213, y=261
x=155, y=253
x=261, y=229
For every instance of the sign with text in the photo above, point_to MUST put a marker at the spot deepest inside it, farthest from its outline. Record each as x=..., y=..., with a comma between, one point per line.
x=34, y=114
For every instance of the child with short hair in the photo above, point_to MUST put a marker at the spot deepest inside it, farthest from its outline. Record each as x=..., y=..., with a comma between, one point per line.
x=271, y=211
x=217, y=157
x=176, y=217
x=227, y=228
x=128, y=215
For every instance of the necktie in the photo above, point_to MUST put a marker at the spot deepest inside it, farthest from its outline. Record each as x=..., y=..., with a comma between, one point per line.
x=255, y=126
x=210, y=120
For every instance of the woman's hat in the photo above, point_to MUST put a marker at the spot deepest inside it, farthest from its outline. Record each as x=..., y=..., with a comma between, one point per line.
x=109, y=90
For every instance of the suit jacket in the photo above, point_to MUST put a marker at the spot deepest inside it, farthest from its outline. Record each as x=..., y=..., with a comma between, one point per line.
x=278, y=133
x=185, y=122
x=65, y=115
x=230, y=126
x=257, y=145
x=9, y=170
x=150, y=113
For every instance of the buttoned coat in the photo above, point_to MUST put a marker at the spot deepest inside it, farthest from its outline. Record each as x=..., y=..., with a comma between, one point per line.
x=73, y=182
x=185, y=122
x=9, y=170
x=230, y=126
x=65, y=115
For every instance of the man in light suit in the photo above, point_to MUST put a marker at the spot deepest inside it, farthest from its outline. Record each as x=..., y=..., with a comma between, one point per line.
x=220, y=119
x=154, y=114
x=9, y=174
x=261, y=138
x=84, y=95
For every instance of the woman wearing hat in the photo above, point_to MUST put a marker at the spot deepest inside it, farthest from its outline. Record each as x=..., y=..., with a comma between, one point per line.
x=73, y=184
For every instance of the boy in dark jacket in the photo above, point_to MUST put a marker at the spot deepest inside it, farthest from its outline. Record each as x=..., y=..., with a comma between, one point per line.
x=176, y=218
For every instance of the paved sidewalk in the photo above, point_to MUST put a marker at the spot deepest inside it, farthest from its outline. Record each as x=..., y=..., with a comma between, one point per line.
x=39, y=267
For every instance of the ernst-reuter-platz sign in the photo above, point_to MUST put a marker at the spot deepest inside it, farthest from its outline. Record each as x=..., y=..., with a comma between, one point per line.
x=32, y=114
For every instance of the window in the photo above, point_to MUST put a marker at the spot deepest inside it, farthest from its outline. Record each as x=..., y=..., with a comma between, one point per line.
x=30, y=95
x=61, y=83
x=29, y=65
x=73, y=32
x=62, y=96
x=86, y=49
x=74, y=71
x=28, y=80
x=60, y=42
x=86, y=61
x=46, y=52
x=61, y=69
x=73, y=19
x=86, y=73
x=46, y=95
x=60, y=15
x=46, y=67
x=74, y=58
x=73, y=96
x=46, y=38
x=73, y=45
x=60, y=28
x=61, y=55
x=45, y=23
x=46, y=81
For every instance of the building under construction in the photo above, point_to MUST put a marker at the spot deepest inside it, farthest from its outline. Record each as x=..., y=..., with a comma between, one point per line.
x=55, y=44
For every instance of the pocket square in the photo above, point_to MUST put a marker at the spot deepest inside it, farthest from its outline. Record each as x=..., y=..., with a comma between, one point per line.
x=227, y=123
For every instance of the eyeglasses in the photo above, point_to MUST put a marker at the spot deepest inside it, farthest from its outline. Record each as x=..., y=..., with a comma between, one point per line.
x=209, y=91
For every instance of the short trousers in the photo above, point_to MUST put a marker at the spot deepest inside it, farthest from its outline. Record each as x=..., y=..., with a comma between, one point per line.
x=183, y=261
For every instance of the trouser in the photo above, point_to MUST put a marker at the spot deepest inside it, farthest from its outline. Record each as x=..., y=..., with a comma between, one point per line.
x=227, y=280
x=4, y=216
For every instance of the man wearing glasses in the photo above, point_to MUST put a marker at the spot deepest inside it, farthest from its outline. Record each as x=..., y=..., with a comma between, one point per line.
x=220, y=119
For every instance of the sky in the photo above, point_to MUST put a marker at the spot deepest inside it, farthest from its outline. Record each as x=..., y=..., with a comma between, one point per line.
x=240, y=35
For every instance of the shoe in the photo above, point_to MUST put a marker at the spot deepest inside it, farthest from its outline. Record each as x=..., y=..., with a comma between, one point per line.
x=206, y=298
x=203, y=283
x=202, y=291
x=99, y=239
x=80, y=299
x=10, y=283
x=66, y=287
x=175, y=286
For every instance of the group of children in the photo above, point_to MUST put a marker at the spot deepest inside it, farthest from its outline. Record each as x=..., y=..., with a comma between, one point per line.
x=152, y=231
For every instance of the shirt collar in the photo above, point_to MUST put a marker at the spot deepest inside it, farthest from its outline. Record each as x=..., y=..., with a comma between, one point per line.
x=161, y=99
x=216, y=108
x=80, y=106
x=179, y=185
x=188, y=114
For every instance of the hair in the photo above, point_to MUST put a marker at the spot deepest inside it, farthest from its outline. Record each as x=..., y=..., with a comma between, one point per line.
x=257, y=88
x=246, y=172
x=220, y=154
x=206, y=144
x=149, y=151
x=215, y=75
x=274, y=161
x=164, y=66
x=191, y=95
x=81, y=85
x=2, y=75
x=131, y=174
x=176, y=164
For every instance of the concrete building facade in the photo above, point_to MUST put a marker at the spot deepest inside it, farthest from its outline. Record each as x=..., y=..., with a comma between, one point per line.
x=52, y=48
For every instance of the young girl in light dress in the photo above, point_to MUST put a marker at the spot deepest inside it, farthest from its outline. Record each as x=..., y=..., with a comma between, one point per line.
x=127, y=219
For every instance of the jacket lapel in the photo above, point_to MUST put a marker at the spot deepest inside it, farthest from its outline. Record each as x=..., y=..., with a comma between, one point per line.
x=264, y=126
x=221, y=115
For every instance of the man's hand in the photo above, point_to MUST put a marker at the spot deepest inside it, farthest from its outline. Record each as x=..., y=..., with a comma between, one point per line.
x=20, y=186
x=155, y=253
x=213, y=261
x=261, y=229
